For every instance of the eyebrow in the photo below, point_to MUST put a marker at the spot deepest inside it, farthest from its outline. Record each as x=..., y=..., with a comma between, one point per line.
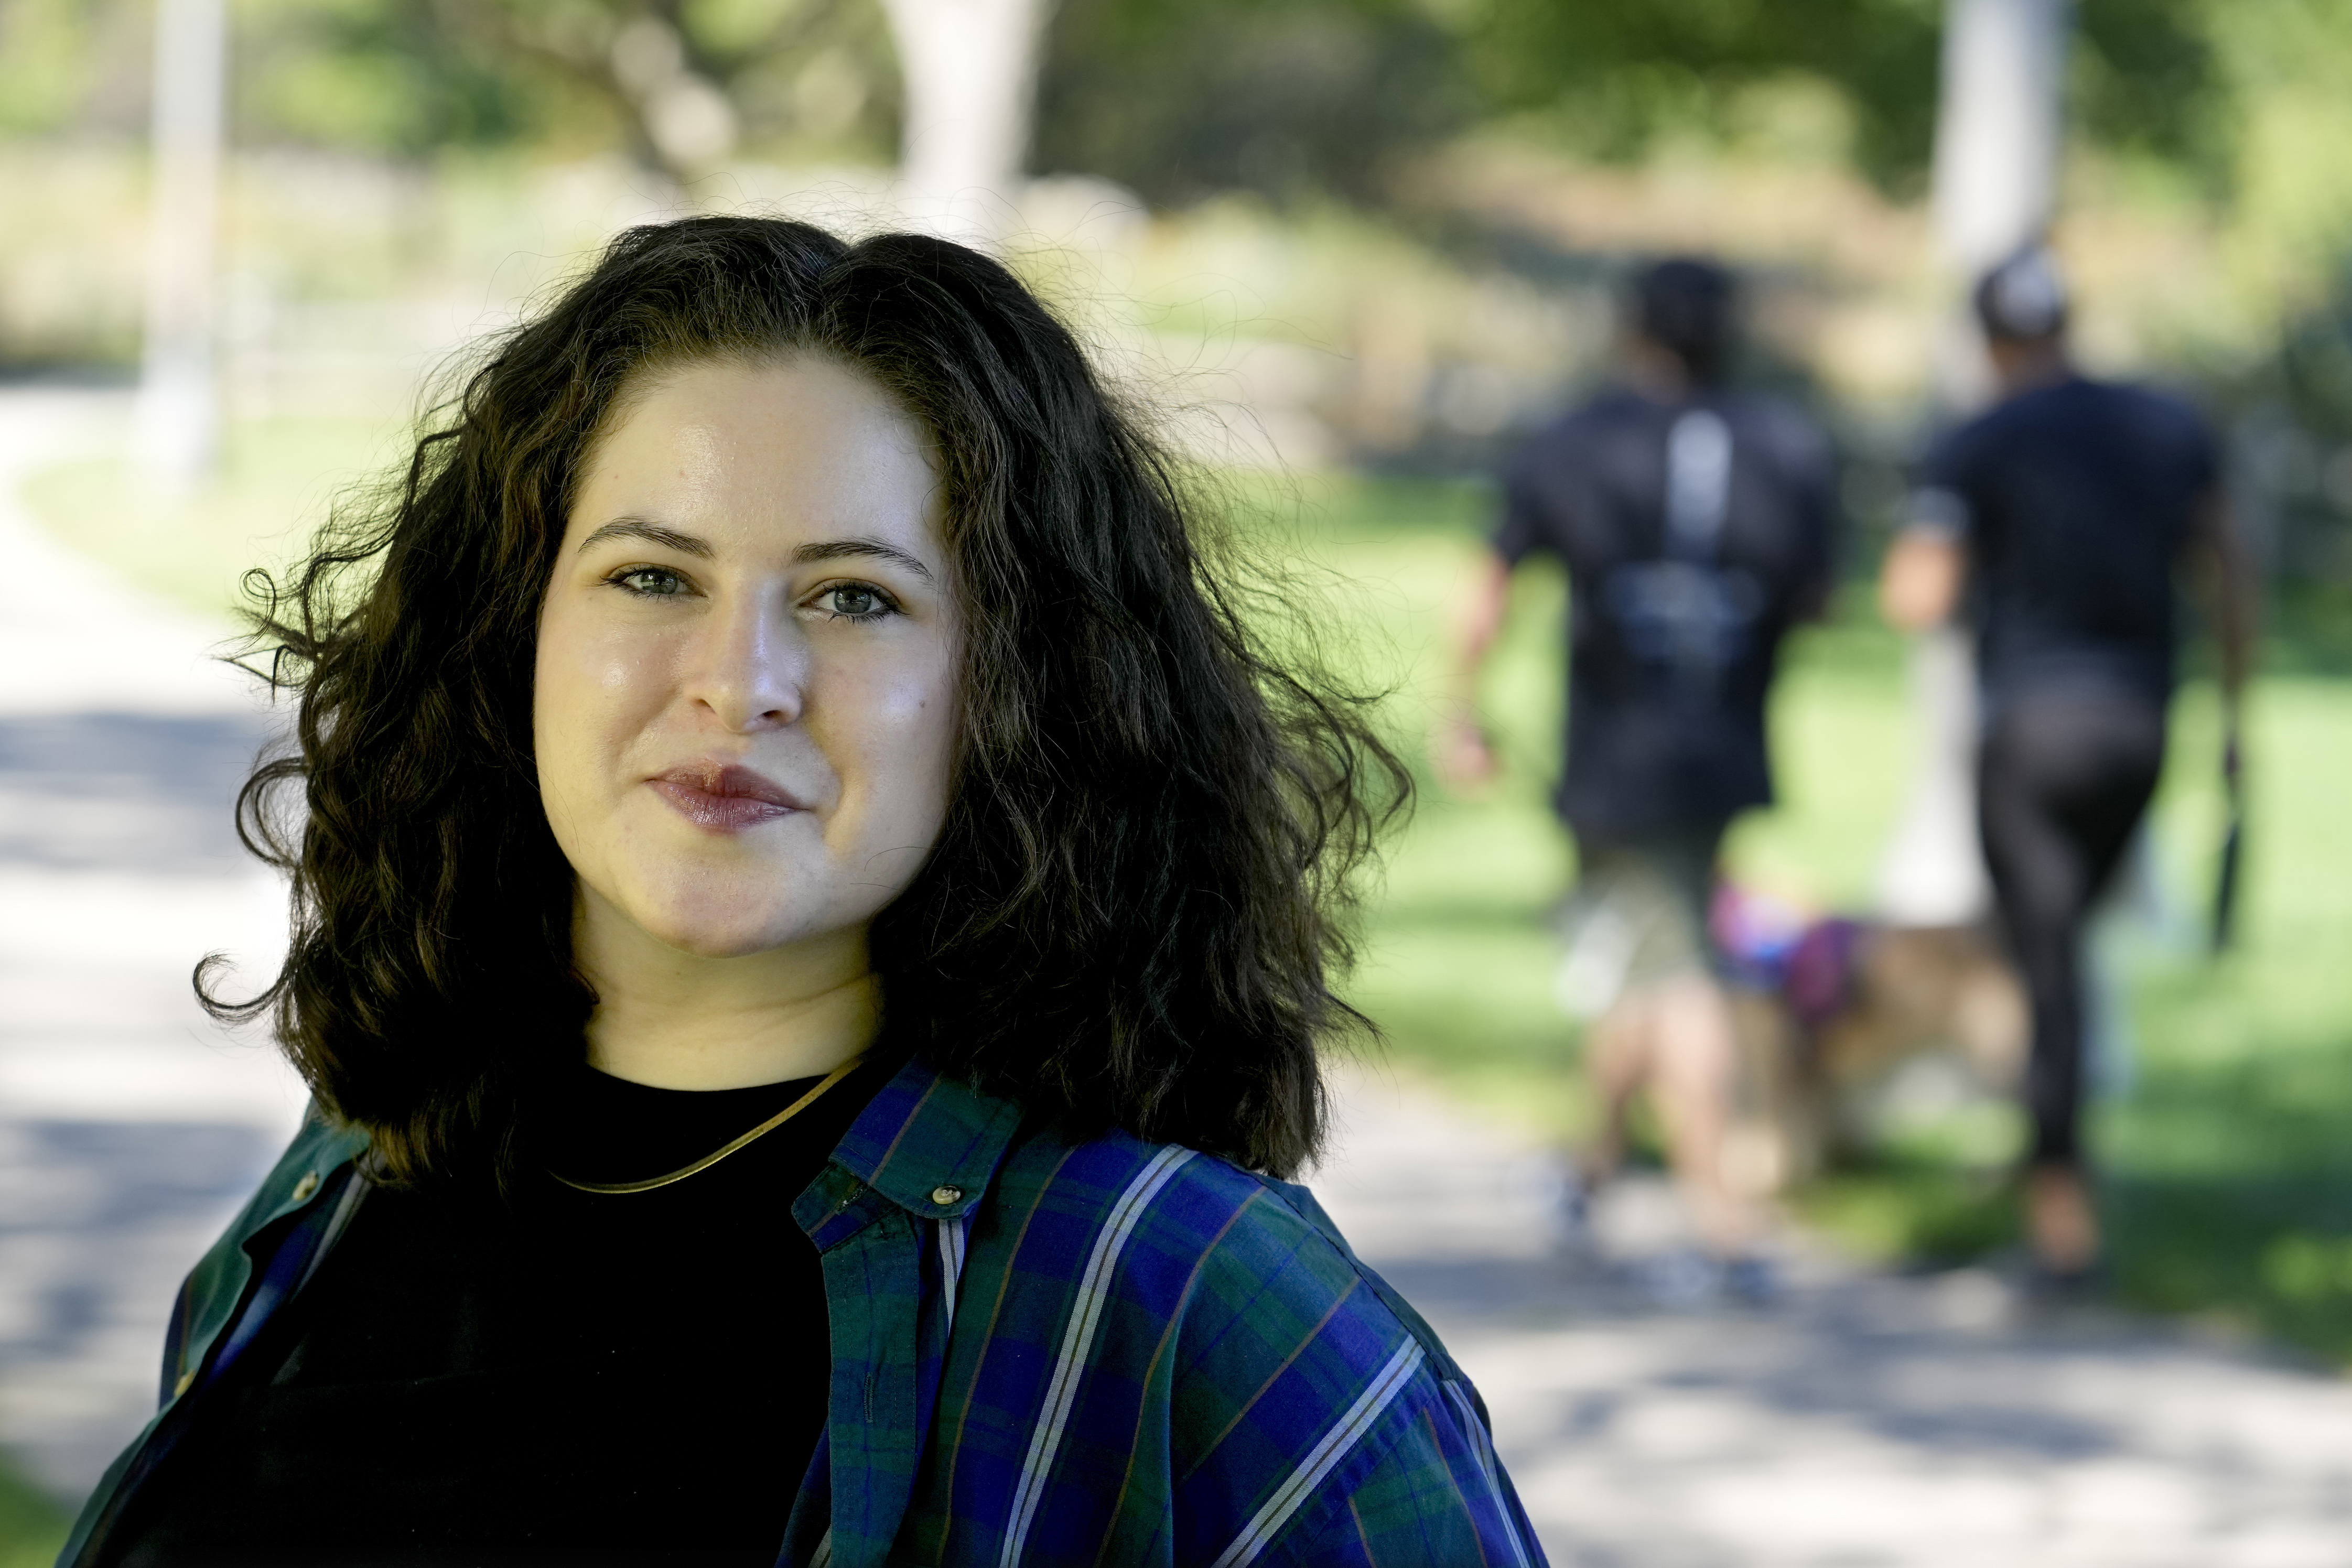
x=837, y=550
x=652, y=533
x=690, y=544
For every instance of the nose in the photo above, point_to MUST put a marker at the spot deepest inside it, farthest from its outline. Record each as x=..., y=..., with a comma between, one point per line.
x=751, y=665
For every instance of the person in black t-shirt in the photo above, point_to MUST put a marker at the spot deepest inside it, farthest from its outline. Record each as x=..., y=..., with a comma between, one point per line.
x=2056, y=522
x=1695, y=524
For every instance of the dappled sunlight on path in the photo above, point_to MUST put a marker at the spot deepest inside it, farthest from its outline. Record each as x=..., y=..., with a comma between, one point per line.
x=1914, y=1423
x=130, y=1128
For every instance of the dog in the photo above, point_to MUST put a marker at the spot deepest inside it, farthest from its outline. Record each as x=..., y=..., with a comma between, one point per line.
x=1829, y=1009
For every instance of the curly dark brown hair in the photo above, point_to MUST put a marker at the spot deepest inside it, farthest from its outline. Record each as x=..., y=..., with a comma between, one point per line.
x=1141, y=889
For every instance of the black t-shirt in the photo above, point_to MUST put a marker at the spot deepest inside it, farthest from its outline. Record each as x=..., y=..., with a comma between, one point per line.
x=1693, y=534
x=2074, y=501
x=561, y=1378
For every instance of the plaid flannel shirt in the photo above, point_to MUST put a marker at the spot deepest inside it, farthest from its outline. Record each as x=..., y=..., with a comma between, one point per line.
x=1044, y=1352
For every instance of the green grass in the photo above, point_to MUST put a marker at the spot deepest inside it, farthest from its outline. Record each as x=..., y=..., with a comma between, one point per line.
x=2229, y=1176
x=278, y=480
x=32, y=1525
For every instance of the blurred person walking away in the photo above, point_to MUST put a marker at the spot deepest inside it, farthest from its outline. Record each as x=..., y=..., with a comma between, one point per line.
x=1695, y=524
x=2056, y=522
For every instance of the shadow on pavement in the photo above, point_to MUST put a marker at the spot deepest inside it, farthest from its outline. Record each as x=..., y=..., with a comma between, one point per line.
x=99, y=1186
x=1889, y=1357
x=146, y=793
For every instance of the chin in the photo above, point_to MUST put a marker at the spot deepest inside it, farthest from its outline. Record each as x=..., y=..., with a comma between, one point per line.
x=715, y=928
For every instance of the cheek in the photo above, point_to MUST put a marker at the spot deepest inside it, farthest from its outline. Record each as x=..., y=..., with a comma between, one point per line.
x=895, y=729
x=591, y=690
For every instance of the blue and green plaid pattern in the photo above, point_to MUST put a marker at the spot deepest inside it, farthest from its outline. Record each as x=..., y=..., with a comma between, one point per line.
x=1045, y=1352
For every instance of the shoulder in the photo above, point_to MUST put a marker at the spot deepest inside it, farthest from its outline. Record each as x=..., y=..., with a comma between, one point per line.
x=1130, y=1242
x=1566, y=435
x=303, y=1177
x=1181, y=1201
x=1960, y=448
x=1778, y=427
x=2165, y=415
x=318, y=1151
x=1199, y=1342
x=1241, y=1276
x=2061, y=418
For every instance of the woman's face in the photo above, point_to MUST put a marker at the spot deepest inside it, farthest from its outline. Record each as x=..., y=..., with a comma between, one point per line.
x=745, y=701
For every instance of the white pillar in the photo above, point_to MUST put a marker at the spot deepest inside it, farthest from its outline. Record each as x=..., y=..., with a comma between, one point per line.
x=178, y=419
x=2000, y=127
x=970, y=71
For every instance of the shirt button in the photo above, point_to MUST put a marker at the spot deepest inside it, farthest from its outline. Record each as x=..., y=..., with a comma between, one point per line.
x=187, y=1381
x=944, y=1196
x=306, y=1186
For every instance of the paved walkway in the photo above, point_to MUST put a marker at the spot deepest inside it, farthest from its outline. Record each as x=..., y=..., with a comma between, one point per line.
x=1915, y=1424
x=1867, y=1421
x=129, y=1126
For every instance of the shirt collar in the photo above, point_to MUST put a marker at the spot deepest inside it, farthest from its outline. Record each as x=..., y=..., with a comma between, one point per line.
x=928, y=1144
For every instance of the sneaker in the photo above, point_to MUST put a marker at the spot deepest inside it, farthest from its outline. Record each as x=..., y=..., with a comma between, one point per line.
x=1572, y=1210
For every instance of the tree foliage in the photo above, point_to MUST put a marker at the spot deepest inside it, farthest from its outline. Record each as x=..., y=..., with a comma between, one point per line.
x=2148, y=79
x=1616, y=79
x=1177, y=97
x=684, y=80
x=374, y=76
x=678, y=83
x=1279, y=96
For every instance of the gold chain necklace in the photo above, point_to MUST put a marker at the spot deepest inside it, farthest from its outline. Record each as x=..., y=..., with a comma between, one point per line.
x=709, y=1160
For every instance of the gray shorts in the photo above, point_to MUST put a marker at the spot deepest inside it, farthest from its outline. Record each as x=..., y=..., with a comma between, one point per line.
x=1637, y=915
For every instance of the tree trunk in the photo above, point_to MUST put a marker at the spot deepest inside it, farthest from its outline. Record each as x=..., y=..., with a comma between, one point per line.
x=1999, y=132
x=1999, y=127
x=178, y=418
x=969, y=69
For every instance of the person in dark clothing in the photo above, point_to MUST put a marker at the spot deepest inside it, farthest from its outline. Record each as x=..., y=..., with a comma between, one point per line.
x=2057, y=522
x=1695, y=524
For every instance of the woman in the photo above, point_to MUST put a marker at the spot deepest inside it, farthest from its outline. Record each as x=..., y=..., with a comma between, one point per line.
x=811, y=935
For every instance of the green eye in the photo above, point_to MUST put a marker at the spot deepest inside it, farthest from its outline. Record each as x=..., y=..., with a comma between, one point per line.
x=650, y=582
x=856, y=601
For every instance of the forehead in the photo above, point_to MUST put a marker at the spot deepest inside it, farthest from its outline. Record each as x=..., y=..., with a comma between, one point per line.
x=746, y=449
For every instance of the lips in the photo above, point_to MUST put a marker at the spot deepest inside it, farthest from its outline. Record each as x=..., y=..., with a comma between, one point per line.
x=724, y=799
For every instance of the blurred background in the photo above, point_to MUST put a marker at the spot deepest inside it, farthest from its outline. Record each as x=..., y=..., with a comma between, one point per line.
x=1353, y=250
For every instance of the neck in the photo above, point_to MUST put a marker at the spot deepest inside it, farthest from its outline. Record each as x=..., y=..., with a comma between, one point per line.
x=1657, y=373
x=673, y=1020
x=2025, y=367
